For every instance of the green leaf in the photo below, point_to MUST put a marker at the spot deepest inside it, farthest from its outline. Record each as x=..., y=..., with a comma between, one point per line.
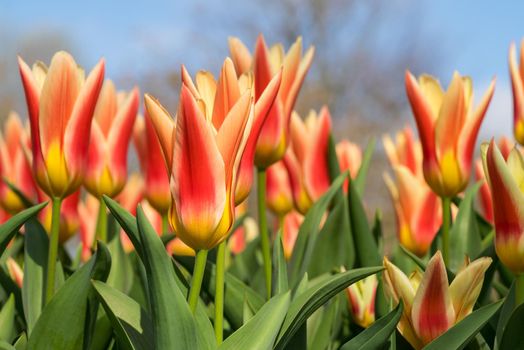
x=280, y=282
x=323, y=334
x=506, y=312
x=170, y=327
x=6, y=346
x=10, y=287
x=308, y=232
x=21, y=342
x=260, y=331
x=121, y=274
x=304, y=304
x=61, y=323
x=25, y=200
x=35, y=267
x=360, y=179
x=378, y=334
x=127, y=222
x=245, y=264
x=7, y=320
x=11, y=226
x=458, y=336
x=132, y=326
x=464, y=235
x=512, y=337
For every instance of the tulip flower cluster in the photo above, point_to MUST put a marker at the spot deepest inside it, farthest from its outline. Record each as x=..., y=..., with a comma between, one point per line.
x=169, y=254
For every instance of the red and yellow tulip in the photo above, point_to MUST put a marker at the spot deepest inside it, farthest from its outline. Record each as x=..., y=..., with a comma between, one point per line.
x=361, y=296
x=111, y=130
x=15, y=166
x=292, y=222
x=405, y=151
x=69, y=219
x=448, y=126
x=279, y=197
x=15, y=272
x=516, y=71
x=505, y=181
x=61, y=104
x=431, y=306
x=203, y=154
x=245, y=233
x=349, y=156
x=266, y=63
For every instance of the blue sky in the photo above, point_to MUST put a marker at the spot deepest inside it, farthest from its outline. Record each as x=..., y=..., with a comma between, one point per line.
x=475, y=35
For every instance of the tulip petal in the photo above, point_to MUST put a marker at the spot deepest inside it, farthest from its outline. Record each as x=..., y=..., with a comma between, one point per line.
x=199, y=178
x=164, y=126
x=227, y=93
x=300, y=75
x=433, y=312
x=518, y=94
x=240, y=55
x=207, y=88
x=466, y=286
x=106, y=107
x=432, y=90
x=261, y=68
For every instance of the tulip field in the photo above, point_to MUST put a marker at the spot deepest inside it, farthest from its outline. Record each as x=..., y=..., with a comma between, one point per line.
x=247, y=225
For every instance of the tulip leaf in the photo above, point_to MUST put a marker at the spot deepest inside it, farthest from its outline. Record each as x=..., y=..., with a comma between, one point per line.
x=262, y=329
x=323, y=333
x=6, y=346
x=308, y=232
x=280, y=282
x=378, y=334
x=170, y=327
x=23, y=198
x=10, y=287
x=464, y=235
x=131, y=324
x=316, y=295
x=35, y=266
x=21, y=342
x=61, y=323
x=506, y=312
x=245, y=264
x=121, y=274
x=512, y=337
x=7, y=320
x=458, y=336
x=360, y=179
x=11, y=226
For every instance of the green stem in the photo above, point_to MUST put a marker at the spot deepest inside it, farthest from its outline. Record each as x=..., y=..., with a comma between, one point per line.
x=262, y=221
x=446, y=223
x=519, y=289
x=196, y=281
x=165, y=224
x=219, y=291
x=53, y=248
x=101, y=223
x=281, y=220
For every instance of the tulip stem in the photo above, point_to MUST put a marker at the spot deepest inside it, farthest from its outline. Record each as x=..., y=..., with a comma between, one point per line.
x=446, y=222
x=262, y=221
x=519, y=289
x=196, y=281
x=165, y=224
x=101, y=223
x=219, y=291
x=53, y=248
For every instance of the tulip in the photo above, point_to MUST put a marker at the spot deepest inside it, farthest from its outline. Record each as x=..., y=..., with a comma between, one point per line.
x=431, y=306
x=405, y=151
x=111, y=131
x=156, y=189
x=243, y=235
x=87, y=213
x=306, y=159
x=448, y=127
x=417, y=209
x=485, y=201
x=14, y=166
x=60, y=102
x=278, y=189
x=361, y=297
x=349, y=156
x=15, y=272
x=69, y=219
x=505, y=179
x=290, y=228
x=517, y=85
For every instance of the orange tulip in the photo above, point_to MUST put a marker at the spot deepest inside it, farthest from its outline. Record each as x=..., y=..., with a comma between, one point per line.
x=69, y=219
x=517, y=83
x=431, y=306
x=448, y=127
x=87, y=213
x=279, y=197
x=505, y=181
x=405, y=151
x=111, y=130
x=14, y=165
x=292, y=222
x=15, y=272
x=361, y=296
x=349, y=156
x=156, y=189
x=245, y=233
x=61, y=103
x=273, y=139
x=203, y=155
x=306, y=158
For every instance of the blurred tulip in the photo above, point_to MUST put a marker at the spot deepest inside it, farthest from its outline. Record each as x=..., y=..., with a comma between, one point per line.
x=417, y=209
x=14, y=166
x=156, y=189
x=485, y=201
x=505, y=182
x=349, y=156
x=111, y=130
x=292, y=222
x=405, y=151
x=361, y=297
x=61, y=103
x=15, y=272
x=431, y=306
x=448, y=127
x=244, y=233
x=273, y=139
x=306, y=159
x=87, y=213
x=203, y=164
x=516, y=71
x=69, y=219
x=278, y=189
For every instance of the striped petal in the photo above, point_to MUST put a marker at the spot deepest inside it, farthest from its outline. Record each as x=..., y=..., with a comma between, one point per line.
x=300, y=75
x=301, y=197
x=227, y=93
x=106, y=107
x=278, y=189
x=198, y=180
x=240, y=55
x=517, y=86
x=164, y=126
x=433, y=312
x=262, y=67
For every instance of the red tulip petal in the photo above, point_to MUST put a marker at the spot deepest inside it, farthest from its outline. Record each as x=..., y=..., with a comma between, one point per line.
x=227, y=93
x=164, y=126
